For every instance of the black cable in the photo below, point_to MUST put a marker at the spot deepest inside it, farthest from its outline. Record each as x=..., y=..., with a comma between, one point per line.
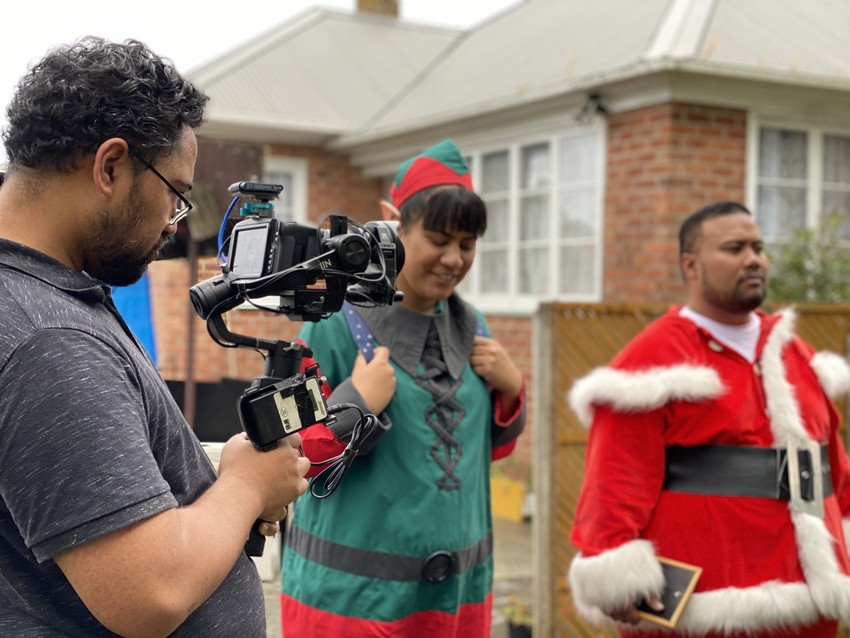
x=336, y=467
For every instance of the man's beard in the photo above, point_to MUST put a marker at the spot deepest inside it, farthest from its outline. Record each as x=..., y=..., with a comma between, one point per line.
x=747, y=302
x=117, y=264
x=123, y=270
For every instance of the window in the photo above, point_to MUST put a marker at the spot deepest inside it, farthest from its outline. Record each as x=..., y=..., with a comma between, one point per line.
x=544, y=213
x=291, y=172
x=801, y=175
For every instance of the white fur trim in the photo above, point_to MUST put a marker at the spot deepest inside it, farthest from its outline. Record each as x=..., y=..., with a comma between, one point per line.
x=769, y=606
x=833, y=373
x=785, y=420
x=845, y=527
x=830, y=588
x=642, y=391
x=614, y=579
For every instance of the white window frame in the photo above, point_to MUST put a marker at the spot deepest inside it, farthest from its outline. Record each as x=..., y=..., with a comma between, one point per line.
x=297, y=168
x=814, y=157
x=513, y=301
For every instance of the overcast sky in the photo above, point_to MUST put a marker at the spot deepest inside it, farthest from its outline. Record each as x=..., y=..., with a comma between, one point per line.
x=190, y=32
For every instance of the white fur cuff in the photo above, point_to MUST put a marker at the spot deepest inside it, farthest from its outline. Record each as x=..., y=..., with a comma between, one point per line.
x=614, y=579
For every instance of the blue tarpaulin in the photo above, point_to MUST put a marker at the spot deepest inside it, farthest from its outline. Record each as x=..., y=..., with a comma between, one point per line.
x=134, y=304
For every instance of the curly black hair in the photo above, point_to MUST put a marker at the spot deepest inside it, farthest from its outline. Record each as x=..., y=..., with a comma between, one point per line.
x=81, y=94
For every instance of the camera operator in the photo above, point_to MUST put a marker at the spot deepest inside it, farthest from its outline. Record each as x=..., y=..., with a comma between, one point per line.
x=404, y=547
x=112, y=518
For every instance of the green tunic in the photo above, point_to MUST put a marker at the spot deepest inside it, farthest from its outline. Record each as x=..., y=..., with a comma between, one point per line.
x=424, y=488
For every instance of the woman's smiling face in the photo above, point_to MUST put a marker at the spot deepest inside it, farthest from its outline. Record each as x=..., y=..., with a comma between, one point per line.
x=435, y=263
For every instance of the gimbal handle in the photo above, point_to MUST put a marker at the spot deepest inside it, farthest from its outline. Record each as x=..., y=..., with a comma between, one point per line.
x=282, y=362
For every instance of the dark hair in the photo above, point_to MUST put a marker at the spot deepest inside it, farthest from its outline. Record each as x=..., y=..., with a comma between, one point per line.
x=690, y=230
x=446, y=208
x=80, y=95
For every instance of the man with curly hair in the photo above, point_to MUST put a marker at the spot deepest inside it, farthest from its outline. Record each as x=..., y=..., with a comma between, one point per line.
x=112, y=518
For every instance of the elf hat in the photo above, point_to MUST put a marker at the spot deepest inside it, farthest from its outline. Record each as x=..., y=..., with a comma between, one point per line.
x=441, y=164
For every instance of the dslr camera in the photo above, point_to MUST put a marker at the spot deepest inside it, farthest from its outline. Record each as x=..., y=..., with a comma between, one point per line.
x=311, y=270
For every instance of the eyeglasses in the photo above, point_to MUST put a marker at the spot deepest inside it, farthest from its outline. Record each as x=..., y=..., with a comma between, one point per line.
x=183, y=205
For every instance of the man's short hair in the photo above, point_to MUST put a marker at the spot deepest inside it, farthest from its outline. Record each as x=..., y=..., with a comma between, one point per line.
x=80, y=95
x=690, y=230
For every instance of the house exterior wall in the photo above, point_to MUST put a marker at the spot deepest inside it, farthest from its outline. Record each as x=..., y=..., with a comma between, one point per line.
x=664, y=162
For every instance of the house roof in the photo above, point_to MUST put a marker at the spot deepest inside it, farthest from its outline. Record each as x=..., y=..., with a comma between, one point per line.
x=358, y=78
x=320, y=74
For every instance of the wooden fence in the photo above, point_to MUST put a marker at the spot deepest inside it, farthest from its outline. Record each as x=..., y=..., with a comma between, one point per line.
x=571, y=340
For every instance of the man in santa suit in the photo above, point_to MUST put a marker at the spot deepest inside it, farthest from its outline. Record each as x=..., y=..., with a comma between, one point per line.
x=713, y=441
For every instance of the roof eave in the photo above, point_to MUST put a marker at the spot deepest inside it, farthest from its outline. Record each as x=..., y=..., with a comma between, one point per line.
x=595, y=82
x=271, y=131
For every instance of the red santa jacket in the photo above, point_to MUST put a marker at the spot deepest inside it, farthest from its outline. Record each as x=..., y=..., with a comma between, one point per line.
x=766, y=563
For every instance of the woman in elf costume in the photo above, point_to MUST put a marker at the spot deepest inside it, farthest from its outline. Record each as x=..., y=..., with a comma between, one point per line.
x=403, y=547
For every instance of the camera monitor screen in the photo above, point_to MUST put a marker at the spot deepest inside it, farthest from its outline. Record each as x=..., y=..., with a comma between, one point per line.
x=249, y=252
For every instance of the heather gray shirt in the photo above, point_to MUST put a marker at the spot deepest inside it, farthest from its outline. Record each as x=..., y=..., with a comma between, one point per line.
x=90, y=442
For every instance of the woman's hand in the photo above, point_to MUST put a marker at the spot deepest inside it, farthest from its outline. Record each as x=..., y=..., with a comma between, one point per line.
x=375, y=381
x=491, y=362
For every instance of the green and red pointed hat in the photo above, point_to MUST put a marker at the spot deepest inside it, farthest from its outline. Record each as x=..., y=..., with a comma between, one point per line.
x=439, y=165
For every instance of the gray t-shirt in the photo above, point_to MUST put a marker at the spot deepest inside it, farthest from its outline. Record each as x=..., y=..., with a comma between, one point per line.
x=90, y=442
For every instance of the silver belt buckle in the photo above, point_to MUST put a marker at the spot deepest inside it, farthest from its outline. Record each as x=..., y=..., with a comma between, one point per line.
x=800, y=504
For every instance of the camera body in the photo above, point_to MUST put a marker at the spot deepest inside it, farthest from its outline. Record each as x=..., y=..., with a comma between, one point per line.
x=311, y=270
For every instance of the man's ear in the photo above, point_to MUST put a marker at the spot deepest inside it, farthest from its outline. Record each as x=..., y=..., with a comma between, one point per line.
x=111, y=163
x=389, y=212
x=687, y=264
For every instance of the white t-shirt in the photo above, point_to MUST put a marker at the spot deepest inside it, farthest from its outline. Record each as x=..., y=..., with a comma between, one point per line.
x=741, y=338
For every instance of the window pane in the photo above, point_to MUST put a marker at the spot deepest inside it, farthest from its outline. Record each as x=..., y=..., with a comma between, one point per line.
x=838, y=202
x=494, y=173
x=578, y=270
x=498, y=223
x=534, y=217
x=577, y=212
x=534, y=271
x=579, y=157
x=781, y=210
x=536, y=167
x=494, y=271
x=836, y=159
x=782, y=154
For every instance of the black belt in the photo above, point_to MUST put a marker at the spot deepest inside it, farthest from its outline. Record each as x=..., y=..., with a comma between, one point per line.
x=434, y=568
x=732, y=470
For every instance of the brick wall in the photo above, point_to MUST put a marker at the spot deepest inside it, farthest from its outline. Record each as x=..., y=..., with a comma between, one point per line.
x=516, y=335
x=664, y=162
x=334, y=185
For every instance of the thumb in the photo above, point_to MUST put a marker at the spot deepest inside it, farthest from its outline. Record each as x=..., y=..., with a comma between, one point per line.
x=382, y=354
x=359, y=362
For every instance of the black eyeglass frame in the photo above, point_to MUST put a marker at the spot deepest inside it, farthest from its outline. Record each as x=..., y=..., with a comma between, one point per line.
x=179, y=213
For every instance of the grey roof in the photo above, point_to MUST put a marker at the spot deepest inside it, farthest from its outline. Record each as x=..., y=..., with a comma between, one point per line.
x=544, y=48
x=360, y=77
x=324, y=72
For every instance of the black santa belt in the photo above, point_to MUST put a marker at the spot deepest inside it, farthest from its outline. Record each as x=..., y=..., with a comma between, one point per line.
x=799, y=473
